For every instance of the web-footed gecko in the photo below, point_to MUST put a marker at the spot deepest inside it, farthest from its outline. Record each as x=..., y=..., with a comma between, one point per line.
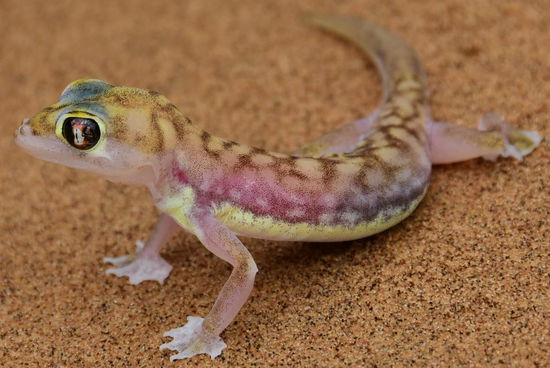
x=353, y=182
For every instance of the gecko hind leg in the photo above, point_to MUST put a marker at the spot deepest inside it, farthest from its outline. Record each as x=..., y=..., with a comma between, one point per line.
x=343, y=139
x=202, y=336
x=493, y=138
x=146, y=264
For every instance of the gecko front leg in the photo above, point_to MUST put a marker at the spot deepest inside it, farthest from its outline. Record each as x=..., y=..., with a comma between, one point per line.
x=147, y=264
x=202, y=336
x=343, y=139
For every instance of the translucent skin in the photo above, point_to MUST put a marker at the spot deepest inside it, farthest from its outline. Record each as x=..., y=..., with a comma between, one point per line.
x=353, y=182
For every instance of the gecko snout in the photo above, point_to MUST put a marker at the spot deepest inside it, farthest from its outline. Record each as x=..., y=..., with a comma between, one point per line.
x=24, y=128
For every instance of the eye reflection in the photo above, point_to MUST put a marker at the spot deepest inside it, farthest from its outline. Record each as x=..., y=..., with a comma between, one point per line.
x=81, y=133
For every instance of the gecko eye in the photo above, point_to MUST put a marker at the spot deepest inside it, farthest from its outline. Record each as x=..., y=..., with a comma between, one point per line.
x=81, y=133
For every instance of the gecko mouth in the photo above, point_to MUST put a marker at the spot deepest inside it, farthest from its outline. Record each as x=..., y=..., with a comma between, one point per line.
x=42, y=147
x=50, y=148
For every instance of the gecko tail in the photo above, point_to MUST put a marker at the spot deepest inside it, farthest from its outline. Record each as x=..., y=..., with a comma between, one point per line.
x=393, y=57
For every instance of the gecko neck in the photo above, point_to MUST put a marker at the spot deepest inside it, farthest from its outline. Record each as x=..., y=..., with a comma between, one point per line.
x=190, y=157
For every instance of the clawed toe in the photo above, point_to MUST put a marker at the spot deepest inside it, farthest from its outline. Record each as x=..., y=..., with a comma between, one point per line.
x=119, y=261
x=188, y=341
x=143, y=267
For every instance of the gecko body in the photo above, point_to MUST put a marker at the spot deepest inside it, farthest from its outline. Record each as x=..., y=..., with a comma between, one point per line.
x=358, y=180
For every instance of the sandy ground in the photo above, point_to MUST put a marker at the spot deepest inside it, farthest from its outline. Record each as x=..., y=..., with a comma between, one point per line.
x=462, y=282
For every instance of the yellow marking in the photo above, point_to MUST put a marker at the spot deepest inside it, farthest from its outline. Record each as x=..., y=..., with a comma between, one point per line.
x=390, y=154
x=404, y=106
x=348, y=167
x=260, y=159
x=522, y=141
x=391, y=120
x=409, y=84
x=179, y=207
x=215, y=144
x=241, y=149
x=278, y=155
x=399, y=133
x=311, y=168
x=168, y=133
x=264, y=227
x=313, y=149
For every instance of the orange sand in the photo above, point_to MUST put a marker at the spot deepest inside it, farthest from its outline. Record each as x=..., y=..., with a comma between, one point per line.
x=463, y=281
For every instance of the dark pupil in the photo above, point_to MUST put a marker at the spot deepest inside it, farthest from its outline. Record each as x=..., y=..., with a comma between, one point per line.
x=81, y=133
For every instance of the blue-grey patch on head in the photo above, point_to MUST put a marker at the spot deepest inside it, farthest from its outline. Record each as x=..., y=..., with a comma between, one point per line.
x=82, y=89
x=88, y=107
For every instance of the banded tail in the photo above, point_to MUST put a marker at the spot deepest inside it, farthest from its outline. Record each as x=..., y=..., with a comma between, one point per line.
x=399, y=124
x=394, y=58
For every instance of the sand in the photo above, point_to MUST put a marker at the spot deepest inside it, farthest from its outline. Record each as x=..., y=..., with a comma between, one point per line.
x=462, y=282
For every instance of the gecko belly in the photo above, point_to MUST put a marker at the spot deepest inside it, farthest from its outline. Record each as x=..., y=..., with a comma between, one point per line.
x=249, y=224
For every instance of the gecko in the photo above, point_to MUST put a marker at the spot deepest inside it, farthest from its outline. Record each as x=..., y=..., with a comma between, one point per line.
x=355, y=181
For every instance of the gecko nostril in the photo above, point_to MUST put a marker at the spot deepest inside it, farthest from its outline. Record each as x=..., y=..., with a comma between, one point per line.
x=22, y=130
x=25, y=129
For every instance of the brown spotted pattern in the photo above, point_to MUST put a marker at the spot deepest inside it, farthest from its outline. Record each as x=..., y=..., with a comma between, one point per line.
x=389, y=169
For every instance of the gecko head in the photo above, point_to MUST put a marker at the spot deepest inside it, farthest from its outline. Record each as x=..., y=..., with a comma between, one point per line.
x=100, y=128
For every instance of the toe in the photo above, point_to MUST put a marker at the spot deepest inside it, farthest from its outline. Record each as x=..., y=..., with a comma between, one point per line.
x=119, y=261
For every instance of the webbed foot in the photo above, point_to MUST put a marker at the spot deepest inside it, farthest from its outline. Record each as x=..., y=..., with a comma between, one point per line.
x=494, y=138
x=139, y=267
x=189, y=341
x=517, y=143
